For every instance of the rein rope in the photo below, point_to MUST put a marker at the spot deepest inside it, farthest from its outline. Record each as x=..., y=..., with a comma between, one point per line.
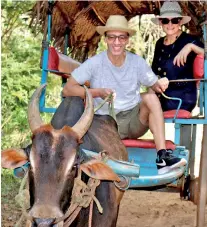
x=164, y=95
x=181, y=80
x=110, y=106
x=83, y=195
x=22, y=199
x=111, y=103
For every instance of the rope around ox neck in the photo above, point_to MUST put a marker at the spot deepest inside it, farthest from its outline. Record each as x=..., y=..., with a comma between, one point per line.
x=82, y=196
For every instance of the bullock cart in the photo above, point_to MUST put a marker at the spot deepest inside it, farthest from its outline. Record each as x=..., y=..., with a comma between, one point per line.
x=72, y=24
x=74, y=33
x=84, y=44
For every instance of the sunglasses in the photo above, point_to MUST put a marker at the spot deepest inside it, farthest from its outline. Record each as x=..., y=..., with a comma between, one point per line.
x=175, y=20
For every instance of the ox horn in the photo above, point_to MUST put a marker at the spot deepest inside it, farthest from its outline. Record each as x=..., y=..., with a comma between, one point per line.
x=33, y=113
x=82, y=126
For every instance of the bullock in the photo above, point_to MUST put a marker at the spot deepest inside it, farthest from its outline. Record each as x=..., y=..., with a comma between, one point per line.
x=55, y=160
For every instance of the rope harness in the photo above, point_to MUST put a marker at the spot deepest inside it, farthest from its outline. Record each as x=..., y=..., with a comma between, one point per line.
x=83, y=195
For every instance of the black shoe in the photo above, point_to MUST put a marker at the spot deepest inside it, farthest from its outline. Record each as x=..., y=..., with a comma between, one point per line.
x=166, y=161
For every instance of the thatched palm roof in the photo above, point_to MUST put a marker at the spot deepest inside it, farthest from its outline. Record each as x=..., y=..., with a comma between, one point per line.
x=81, y=17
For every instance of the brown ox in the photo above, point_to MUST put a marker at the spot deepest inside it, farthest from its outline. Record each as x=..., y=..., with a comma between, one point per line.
x=55, y=160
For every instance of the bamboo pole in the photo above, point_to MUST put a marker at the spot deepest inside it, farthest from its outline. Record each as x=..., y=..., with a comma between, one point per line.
x=187, y=80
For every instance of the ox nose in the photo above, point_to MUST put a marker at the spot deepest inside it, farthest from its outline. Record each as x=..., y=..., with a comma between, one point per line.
x=47, y=222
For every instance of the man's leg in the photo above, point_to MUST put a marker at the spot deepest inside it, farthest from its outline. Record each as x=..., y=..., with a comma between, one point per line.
x=129, y=125
x=151, y=114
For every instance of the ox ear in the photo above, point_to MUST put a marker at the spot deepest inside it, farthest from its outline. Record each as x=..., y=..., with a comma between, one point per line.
x=13, y=158
x=99, y=170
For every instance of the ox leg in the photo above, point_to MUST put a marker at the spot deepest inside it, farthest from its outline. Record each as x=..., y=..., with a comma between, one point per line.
x=107, y=196
x=68, y=113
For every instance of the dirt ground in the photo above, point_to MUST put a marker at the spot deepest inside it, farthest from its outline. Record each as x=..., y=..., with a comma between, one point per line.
x=138, y=209
x=156, y=209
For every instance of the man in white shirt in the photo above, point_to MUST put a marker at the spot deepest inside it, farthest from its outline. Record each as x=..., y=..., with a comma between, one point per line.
x=122, y=73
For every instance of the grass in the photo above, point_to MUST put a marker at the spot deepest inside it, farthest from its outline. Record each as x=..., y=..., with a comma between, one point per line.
x=9, y=185
x=9, y=189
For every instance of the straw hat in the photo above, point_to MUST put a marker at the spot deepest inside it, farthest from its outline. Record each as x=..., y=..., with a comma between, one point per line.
x=116, y=23
x=171, y=9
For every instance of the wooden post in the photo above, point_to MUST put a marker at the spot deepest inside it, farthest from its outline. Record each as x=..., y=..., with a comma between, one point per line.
x=202, y=196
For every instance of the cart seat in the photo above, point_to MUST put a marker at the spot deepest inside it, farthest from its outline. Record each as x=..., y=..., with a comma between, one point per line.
x=198, y=67
x=146, y=143
x=61, y=63
x=181, y=114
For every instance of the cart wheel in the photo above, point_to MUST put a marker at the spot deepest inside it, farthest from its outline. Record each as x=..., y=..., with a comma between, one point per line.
x=194, y=190
x=184, y=185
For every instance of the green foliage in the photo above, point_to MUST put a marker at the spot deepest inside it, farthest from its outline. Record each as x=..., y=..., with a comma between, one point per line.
x=143, y=42
x=21, y=73
x=20, y=76
x=9, y=184
x=14, y=16
x=102, y=45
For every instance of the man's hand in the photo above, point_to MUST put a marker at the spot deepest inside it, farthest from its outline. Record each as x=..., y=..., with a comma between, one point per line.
x=181, y=57
x=161, y=85
x=104, y=92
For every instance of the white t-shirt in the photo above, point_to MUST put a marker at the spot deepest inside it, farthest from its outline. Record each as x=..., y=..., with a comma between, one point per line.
x=125, y=81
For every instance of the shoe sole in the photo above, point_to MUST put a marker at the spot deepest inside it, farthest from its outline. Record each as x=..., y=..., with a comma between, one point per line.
x=167, y=169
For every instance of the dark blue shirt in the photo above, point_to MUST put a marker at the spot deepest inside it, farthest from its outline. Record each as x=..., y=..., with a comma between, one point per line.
x=163, y=67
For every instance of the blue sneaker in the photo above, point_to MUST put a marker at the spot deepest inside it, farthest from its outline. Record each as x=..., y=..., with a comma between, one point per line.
x=166, y=161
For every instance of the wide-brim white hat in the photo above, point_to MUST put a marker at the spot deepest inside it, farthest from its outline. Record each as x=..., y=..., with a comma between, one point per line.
x=172, y=10
x=116, y=23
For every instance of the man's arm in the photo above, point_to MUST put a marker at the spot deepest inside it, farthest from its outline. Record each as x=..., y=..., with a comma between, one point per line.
x=73, y=88
x=160, y=85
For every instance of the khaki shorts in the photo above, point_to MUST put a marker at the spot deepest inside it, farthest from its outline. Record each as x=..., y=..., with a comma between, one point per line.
x=129, y=125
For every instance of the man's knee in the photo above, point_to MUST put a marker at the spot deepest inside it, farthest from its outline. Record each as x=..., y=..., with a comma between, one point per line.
x=151, y=101
x=150, y=98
